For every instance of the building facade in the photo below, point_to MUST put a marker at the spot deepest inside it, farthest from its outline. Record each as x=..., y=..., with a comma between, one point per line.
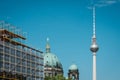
x=17, y=60
x=73, y=72
x=52, y=65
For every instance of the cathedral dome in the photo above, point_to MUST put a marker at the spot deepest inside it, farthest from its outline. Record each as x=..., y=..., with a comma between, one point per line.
x=50, y=59
x=73, y=67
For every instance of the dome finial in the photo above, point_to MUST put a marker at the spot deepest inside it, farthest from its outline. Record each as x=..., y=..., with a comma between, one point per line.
x=47, y=46
x=47, y=39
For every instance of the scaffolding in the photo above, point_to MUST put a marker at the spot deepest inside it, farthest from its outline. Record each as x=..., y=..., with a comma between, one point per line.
x=16, y=58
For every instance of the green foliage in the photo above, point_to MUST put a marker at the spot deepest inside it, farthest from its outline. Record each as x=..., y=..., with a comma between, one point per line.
x=69, y=79
x=58, y=77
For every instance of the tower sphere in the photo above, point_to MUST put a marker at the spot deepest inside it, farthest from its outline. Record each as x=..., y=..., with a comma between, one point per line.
x=94, y=48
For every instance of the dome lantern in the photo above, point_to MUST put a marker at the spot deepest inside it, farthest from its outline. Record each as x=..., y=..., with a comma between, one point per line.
x=47, y=46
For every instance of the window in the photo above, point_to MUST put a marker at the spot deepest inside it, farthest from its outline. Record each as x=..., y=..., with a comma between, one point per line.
x=33, y=71
x=18, y=53
x=28, y=63
x=33, y=64
x=24, y=63
x=6, y=58
x=37, y=60
x=1, y=46
x=28, y=70
x=6, y=65
x=18, y=68
x=6, y=49
x=28, y=57
x=28, y=78
x=23, y=69
x=33, y=58
x=23, y=55
x=12, y=51
x=37, y=72
x=18, y=61
x=1, y=56
x=12, y=67
x=13, y=59
x=1, y=51
x=1, y=64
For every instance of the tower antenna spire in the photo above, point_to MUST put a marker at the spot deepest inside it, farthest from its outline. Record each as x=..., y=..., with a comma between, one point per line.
x=94, y=25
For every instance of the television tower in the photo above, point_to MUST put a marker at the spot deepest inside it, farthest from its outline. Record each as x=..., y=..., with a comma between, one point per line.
x=94, y=47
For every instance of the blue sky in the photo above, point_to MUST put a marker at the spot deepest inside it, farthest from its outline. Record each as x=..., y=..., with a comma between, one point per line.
x=68, y=24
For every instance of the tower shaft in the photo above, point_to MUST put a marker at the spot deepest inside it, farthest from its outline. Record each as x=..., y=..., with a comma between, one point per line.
x=94, y=66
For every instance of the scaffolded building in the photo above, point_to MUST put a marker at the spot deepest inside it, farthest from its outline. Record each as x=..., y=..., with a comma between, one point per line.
x=17, y=60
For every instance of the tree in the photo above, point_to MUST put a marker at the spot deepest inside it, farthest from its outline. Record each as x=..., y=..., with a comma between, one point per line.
x=58, y=77
x=69, y=79
x=47, y=78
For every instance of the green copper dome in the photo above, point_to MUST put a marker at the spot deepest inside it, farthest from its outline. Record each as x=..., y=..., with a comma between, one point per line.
x=73, y=67
x=50, y=59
